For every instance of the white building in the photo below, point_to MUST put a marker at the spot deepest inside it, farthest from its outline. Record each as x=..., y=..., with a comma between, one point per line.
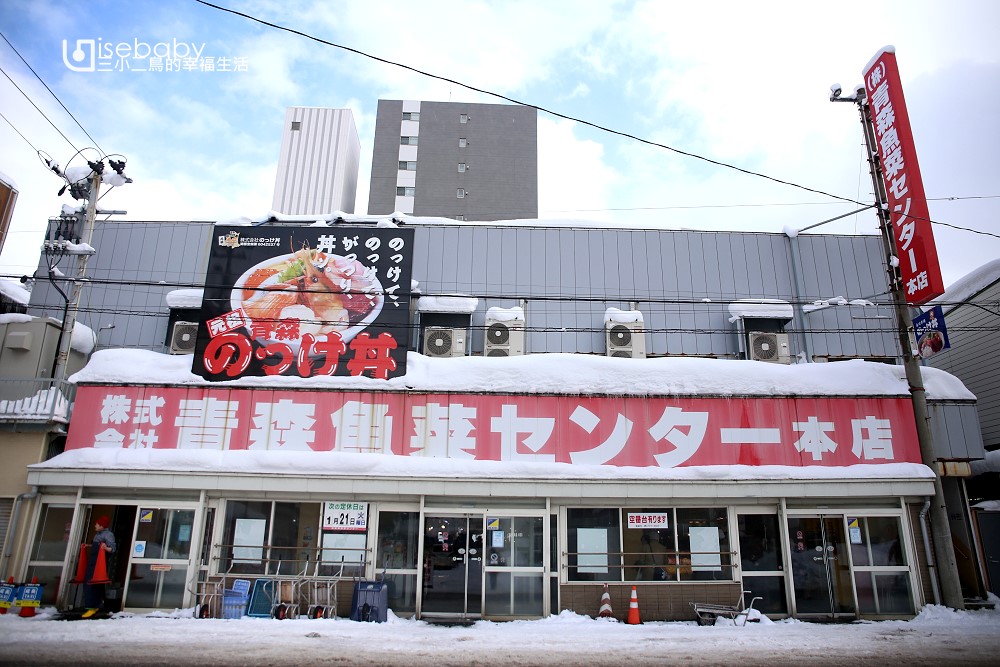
x=318, y=165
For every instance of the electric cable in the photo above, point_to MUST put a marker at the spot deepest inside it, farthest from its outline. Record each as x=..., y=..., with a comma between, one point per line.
x=52, y=93
x=39, y=110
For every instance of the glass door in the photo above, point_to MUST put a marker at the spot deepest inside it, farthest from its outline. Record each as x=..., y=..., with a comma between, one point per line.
x=453, y=566
x=821, y=567
x=158, y=558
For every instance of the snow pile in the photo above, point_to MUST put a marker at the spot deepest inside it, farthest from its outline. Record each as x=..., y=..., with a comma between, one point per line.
x=760, y=308
x=447, y=304
x=560, y=373
x=15, y=292
x=358, y=464
x=967, y=287
x=47, y=404
x=185, y=298
x=616, y=316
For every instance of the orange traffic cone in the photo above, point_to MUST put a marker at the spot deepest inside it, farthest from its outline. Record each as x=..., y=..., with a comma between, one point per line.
x=81, y=566
x=633, y=609
x=3, y=610
x=100, y=569
x=28, y=611
x=605, y=604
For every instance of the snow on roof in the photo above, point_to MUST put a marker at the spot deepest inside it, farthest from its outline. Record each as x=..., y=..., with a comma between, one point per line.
x=505, y=314
x=989, y=464
x=447, y=304
x=15, y=292
x=968, y=286
x=617, y=316
x=769, y=308
x=185, y=298
x=560, y=373
x=8, y=180
x=345, y=464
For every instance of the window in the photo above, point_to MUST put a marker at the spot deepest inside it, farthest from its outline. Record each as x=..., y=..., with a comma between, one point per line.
x=407, y=166
x=408, y=141
x=411, y=115
x=461, y=193
x=406, y=192
x=460, y=218
x=462, y=143
x=461, y=167
x=648, y=544
x=463, y=118
x=296, y=125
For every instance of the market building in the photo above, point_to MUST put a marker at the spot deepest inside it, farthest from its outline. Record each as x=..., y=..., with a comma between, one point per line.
x=500, y=419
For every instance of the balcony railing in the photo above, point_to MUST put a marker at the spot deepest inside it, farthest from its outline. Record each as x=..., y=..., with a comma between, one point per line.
x=35, y=401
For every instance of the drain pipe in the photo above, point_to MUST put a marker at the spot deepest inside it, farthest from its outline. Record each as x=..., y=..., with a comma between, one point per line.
x=928, y=552
x=12, y=528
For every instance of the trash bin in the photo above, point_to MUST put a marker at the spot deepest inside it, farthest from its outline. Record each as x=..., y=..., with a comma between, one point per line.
x=370, y=601
x=235, y=599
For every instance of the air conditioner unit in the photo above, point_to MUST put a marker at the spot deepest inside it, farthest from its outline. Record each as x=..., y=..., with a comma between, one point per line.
x=183, y=337
x=504, y=338
x=444, y=342
x=771, y=347
x=625, y=339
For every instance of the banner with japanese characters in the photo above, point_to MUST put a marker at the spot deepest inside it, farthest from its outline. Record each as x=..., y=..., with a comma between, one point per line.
x=904, y=187
x=581, y=430
x=305, y=301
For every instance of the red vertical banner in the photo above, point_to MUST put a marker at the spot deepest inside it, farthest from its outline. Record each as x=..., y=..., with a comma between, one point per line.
x=911, y=227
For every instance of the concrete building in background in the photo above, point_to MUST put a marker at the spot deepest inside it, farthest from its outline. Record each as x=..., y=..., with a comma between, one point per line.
x=455, y=160
x=318, y=165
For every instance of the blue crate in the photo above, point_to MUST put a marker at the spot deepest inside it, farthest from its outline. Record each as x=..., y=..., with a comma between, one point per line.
x=235, y=600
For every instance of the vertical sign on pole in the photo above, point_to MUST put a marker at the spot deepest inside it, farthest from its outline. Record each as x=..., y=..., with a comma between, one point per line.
x=911, y=227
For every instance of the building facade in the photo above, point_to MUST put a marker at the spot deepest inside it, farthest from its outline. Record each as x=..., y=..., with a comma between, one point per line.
x=702, y=464
x=455, y=160
x=318, y=164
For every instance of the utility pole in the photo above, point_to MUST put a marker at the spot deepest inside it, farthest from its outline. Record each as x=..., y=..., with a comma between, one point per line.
x=944, y=550
x=73, y=306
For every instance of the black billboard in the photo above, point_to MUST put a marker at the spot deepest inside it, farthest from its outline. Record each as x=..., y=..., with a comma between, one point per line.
x=305, y=302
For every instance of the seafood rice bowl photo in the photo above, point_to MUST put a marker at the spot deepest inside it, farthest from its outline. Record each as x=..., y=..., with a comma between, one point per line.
x=307, y=292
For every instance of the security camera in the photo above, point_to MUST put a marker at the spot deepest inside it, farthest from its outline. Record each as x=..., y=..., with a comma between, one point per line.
x=835, y=91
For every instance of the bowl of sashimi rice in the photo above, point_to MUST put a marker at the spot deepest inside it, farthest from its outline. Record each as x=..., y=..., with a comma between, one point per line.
x=307, y=292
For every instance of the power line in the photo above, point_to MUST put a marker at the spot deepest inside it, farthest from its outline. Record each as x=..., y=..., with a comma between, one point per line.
x=39, y=110
x=19, y=133
x=94, y=141
x=518, y=102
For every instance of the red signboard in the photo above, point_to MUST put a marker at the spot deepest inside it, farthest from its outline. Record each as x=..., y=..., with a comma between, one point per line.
x=918, y=261
x=614, y=431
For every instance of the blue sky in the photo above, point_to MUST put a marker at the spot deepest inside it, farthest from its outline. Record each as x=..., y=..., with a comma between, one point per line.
x=743, y=83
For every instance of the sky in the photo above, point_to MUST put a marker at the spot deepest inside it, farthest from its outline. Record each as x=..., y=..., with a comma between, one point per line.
x=745, y=84
x=937, y=635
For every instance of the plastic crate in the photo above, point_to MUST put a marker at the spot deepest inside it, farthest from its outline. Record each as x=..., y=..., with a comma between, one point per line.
x=371, y=601
x=234, y=600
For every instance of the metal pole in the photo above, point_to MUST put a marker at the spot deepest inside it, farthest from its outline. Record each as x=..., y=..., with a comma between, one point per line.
x=944, y=550
x=69, y=321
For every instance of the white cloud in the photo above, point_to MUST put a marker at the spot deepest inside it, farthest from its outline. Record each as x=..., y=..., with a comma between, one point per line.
x=573, y=175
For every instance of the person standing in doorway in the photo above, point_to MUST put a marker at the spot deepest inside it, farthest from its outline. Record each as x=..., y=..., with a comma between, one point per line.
x=104, y=541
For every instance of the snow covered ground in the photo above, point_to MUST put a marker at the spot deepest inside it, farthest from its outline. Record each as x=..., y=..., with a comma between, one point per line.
x=937, y=636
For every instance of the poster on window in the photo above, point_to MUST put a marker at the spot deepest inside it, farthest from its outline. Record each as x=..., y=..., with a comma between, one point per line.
x=305, y=302
x=345, y=517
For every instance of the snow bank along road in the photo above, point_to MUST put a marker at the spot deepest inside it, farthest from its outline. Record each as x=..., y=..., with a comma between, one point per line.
x=937, y=636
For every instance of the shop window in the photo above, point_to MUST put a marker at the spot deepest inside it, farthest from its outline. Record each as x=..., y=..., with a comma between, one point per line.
x=262, y=537
x=703, y=544
x=244, y=537
x=49, y=549
x=593, y=544
x=881, y=574
x=396, y=554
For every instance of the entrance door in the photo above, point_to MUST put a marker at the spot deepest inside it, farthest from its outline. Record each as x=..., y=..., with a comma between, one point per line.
x=989, y=538
x=821, y=568
x=158, y=558
x=453, y=566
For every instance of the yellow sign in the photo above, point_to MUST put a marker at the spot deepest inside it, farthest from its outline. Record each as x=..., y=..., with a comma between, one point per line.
x=492, y=524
